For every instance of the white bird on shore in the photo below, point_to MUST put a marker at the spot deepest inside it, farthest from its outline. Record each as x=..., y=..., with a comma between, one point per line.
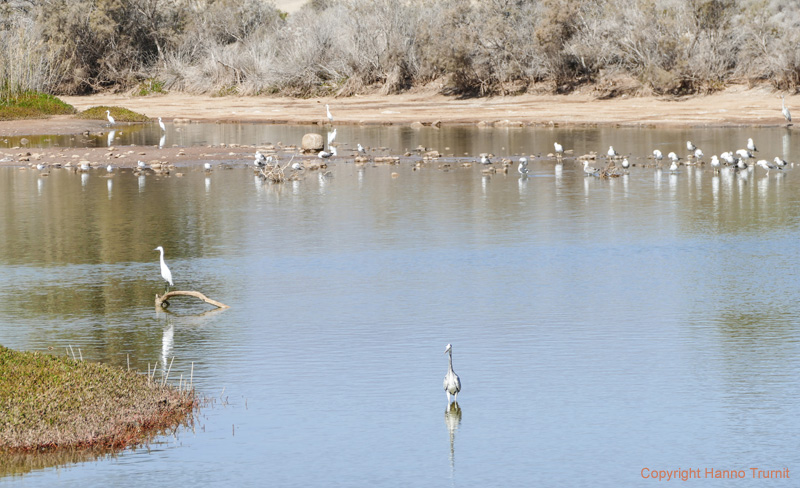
x=785, y=110
x=485, y=160
x=728, y=157
x=781, y=162
x=741, y=164
x=751, y=145
x=361, y=149
x=298, y=166
x=110, y=118
x=698, y=154
x=330, y=116
x=673, y=167
x=611, y=152
x=674, y=157
x=260, y=160
x=589, y=170
x=161, y=124
x=165, y=272
x=452, y=383
x=559, y=149
x=625, y=163
x=207, y=167
x=84, y=166
x=40, y=167
x=141, y=165
x=326, y=155
x=109, y=169
x=744, y=153
x=691, y=147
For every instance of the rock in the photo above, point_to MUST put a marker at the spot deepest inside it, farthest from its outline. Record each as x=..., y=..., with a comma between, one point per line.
x=312, y=143
x=416, y=125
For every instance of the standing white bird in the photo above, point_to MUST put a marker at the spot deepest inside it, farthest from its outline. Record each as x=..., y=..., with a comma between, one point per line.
x=673, y=167
x=611, y=152
x=657, y=155
x=786, y=114
x=161, y=124
x=751, y=145
x=698, y=154
x=207, y=166
x=331, y=136
x=452, y=383
x=781, y=162
x=559, y=149
x=715, y=163
x=110, y=118
x=109, y=169
x=84, y=166
x=625, y=163
x=523, y=166
x=260, y=160
x=165, y=272
x=767, y=165
x=728, y=157
x=361, y=149
x=328, y=109
x=674, y=157
x=691, y=147
x=744, y=153
x=589, y=170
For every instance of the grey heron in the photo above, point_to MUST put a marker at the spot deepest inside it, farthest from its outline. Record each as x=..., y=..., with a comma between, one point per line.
x=165, y=272
x=452, y=383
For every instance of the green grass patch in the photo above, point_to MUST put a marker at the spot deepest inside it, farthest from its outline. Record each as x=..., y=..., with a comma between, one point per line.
x=31, y=105
x=54, y=402
x=120, y=114
x=150, y=87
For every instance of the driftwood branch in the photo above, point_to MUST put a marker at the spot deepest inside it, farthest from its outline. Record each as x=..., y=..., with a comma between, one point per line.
x=161, y=301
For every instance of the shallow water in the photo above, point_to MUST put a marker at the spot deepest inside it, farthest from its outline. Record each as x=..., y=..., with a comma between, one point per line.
x=599, y=326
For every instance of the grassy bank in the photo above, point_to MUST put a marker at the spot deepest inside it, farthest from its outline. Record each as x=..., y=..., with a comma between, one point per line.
x=52, y=402
x=31, y=105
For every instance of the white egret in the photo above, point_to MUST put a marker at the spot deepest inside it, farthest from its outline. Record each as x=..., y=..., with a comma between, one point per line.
x=559, y=148
x=691, y=147
x=452, y=383
x=786, y=114
x=110, y=118
x=328, y=109
x=165, y=272
x=625, y=163
x=751, y=145
x=161, y=124
x=331, y=136
x=589, y=170
x=611, y=152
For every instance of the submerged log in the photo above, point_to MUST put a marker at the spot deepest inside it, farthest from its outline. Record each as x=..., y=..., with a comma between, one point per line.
x=161, y=301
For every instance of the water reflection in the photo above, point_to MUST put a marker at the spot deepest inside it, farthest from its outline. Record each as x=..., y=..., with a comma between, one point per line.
x=452, y=419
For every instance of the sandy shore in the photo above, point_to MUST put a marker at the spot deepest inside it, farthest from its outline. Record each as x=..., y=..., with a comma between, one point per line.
x=736, y=106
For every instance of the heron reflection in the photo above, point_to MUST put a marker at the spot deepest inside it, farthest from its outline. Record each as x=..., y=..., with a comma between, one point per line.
x=452, y=419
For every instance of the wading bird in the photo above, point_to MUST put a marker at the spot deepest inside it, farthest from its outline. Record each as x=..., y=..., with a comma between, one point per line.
x=767, y=165
x=207, y=167
x=657, y=155
x=691, y=147
x=165, y=272
x=452, y=383
x=485, y=160
x=361, y=149
x=110, y=118
x=611, y=152
x=161, y=124
x=698, y=154
x=715, y=163
x=625, y=163
x=786, y=114
x=559, y=149
x=780, y=162
x=331, y=136
x=751, y=145
x=523, y=166
x=328, y=109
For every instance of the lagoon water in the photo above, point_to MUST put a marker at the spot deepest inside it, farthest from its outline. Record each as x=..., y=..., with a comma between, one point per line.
x=599, y=326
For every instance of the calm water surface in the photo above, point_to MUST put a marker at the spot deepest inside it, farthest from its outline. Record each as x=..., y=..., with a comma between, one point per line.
x=599, y=326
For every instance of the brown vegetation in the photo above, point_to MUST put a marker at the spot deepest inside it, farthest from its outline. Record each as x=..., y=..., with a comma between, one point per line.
x=344, y=47
x=50, y=402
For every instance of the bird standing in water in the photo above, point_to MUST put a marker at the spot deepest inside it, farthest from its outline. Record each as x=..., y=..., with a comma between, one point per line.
x=452, y=383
